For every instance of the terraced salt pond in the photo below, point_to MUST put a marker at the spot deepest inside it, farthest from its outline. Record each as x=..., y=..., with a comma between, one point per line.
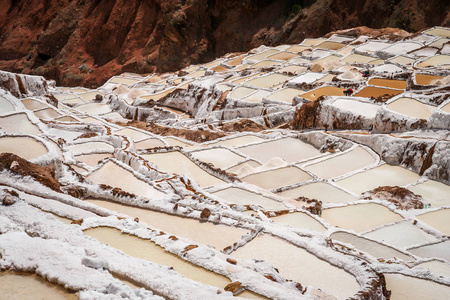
x=360, y=217
x=277, y=178
x=29, y=286
x=438, y=267
x=321, y=191
x=25, y=147
x=355, y=159
x=411, y=107
x=373, y=91
x=426, y=79
x=18, y=124
x=288, y=149
x=47, y=113
x=219, y=157
x=434, y=192
x=410, y=288
x=299, y=265
x=434, y=61
x=150, y=251
x=176, y=162
x=94, y=108
x=323, y=91
x=300, y=220
x=438, y=219
x=149, y=143
x=133, y=134
x=243, y=197
x=6, y=106
x=218, y=236
x=436, y=250
x=268, y=81
x=237, y=141
x=32, y=104
x=368, y=110
x=84, y=148
x=92, y=159
x=390, y=83
x=384, y=175
x=116, y=176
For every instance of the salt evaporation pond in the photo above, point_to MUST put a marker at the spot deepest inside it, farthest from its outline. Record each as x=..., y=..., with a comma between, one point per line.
x=219, y=157
x=438, y=267
x=446, y=108
x=360, y=217
x=123, y=80
x=300, y=220
x=402, y=235
x=438, y=219
x=436, y=250
x=277, y=178
x=243, y=197
x=368, y=110
x=218, y=236
x=285, y=95
x=373, y=248
x=25, y=147
x=262, y=55
x=410, y=288
x=434, y=192
x=372, y=46
x=308, y=77
x=176, y=142
x=426, y=79
x=299, y=265
x=323, y=91
x=150, y=251
x=268, y=81
x=442, y=32
x=18, y=124
x=282, y=56
x=330, y=45
x=92, y=159
x=241, y=92
x=238, y=141
x=256, y=97
x=149, y=143
x=32, y=104
x=47, y=113
x=29, y=286
x=89, y=96
x=83, y=148
x=402, y=60
x=321, y=191
x=412, y=108
x=135, y=135
x=6, y=106
x=402, y=47
x=288, y=149
x=94, y=108
x=434, y=61
x=355, y=159
x=357, y=58
x=116, y=176
x=373, y=91
x=384, y=175
x=391, y=83
x=176, y=162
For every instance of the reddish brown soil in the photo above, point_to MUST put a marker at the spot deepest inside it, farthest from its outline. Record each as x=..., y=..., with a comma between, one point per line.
x=20, y=166
x=401, y=197
x=55, y=38
x=243, y=125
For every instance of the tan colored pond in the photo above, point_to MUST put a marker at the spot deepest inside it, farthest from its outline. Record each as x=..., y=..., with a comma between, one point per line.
x=292, y=70
x=15, y=285
x=257, y=97
x=313, y=42
x=410, y=288
x=426, y=79
x=446, y=108
x=238, y=141
x=288, y=149
x=402, y=60
x=442, y=32
x=219, y=157
x=402, y=235
x=94, y=108
x=160, y=95
x=32, y=104
x=282, y=56
x=244, y=197
x=176, y=142
x=384, y=175
x=262, y=55
x=47, y=113
x=73, y=101
x=438, y=267
x=150, y=251
x=241, y=92
x=241, y=79
x=92, y=159
x=360, y=217
x=277, y=178
x=353, y=160
x=434, y=192
x=236, y=61
x=62, y=97
x=149, y=143
x=321, y=191
x=133, y=134
x=373, y=248
x=115, y=176
x=268, y=81
x=391, y=83
x=220, y=69
x=91, y=146
x=412, y=108
x=265, y=64
x=123, y=80
x=218, y=236
x=25, y=147
x=18, y=124
x=438, y=250
x=373, y=91
x=323, y=91
x=90, y=96
x=434, y=61
x=299, y=265
x=439, y=219
x=357, y=58
x=176, y=162
x=297, y=48
x=330, y=45
x=285, y=95
x=300, y=220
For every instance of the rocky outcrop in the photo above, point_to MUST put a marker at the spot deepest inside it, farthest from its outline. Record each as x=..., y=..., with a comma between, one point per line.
x=86, y=42
x=402, y=198
x=23, y=85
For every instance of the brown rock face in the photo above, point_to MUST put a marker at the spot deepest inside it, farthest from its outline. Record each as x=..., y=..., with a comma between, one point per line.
x=55, y=38
x=20, y=166
x=401, y=197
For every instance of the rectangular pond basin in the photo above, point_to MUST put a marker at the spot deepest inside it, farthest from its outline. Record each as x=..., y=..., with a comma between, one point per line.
x=149, y=143
x=374, y=91
x=133, y=134
x=78, y=149
x=390, y=83
x=220, y=157
x=367, y=110
x=411, y=288
x=256, y=97
x=437, y=250
x=47, y=113
x=372, y=46
x=308, y=77
x=355, y=159
x=244, y=197
x=268, y=81
x=426, y=79
x=330, y=45
x=262, y=55
x=265, y=64
x=123, y=80
x=146, y=249
x=116, y=176
x=159, y=95
x=384, y=175
x=19, y=124
x=282, y=56
x=412, y=108
x=360, y=217
x=238, y=141
x=373, y=248
x=241, y=92
x=438, y=219
x=323, y=91
x=90, y=96
x=289, y=149
x=176, y=142
x=402, y=60
x=320, y=191
x=297, y=48
x=92, y=159
x=285, y=95
x=176, y=162
x=357, y=58
x=218, y=236
x=434, y=192
x=32, y=104
x=25, y=147
x=434, y=61
x=442, y=32
x=402, y=47
x=401, y=235
x=277, y=178
x=94, y=108
x=437, y=267
x=292, y=70
x=299, y=265
x=300, y=220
